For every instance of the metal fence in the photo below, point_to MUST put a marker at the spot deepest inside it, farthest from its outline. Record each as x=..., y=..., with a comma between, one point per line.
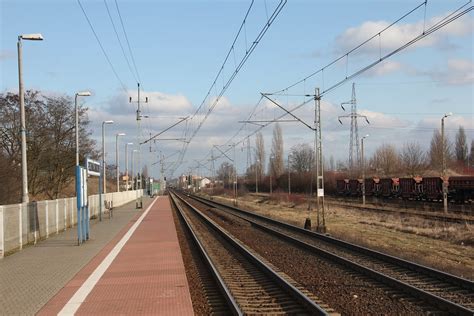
x=28, y=223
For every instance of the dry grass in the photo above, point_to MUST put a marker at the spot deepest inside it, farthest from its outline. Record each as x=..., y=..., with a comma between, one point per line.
x=444, y=246
x=460, y=234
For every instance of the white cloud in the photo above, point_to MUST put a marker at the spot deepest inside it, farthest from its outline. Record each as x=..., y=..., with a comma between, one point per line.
x=457, y=72
x=399, y=34
x=384, y=120
x=384, y=68
x=167, y=103
x=159, y=103
x=452, y=122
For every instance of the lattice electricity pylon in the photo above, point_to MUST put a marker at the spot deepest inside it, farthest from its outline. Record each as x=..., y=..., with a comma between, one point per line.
x=354, y=140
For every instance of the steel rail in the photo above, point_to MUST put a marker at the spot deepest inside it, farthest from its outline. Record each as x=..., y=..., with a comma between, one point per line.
x=308, y=303
x=450, y=217
x=234, y=307
x=439, y=301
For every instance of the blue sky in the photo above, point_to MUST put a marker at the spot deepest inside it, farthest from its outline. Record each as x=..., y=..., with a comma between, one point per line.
x=179, y=46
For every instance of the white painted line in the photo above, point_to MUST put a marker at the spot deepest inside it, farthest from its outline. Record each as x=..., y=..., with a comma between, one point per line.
x=79, y=297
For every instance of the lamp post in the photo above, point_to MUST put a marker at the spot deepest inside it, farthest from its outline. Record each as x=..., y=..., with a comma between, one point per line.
x=103, y=153
x=117, y=159
x=363, y=169
x=133, y=166
x=24, y=169
x=126, y=163
x=445, y=188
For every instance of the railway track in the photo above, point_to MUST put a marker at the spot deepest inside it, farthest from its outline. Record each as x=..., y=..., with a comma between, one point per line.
x=437, y=216
x=206, y=295
x=249, y=284
x=446, y=292
x=409, y=208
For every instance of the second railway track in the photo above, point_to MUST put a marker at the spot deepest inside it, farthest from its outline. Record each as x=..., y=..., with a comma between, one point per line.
x=448, y=293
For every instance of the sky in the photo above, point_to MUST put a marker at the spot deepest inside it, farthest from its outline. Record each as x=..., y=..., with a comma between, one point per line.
x=178, y=48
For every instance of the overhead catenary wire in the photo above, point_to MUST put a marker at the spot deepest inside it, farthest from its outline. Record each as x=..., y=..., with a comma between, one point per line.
x=102, y=47
x=347, y=53
x=128, y=42
x=201, y=114
x=120, y=42
x=438, y=25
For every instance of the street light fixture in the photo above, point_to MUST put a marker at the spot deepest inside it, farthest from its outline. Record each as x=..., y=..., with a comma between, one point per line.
x=117, y=159
x=126, y=163
x=103, y=152
x=24, y=169
x=445, y=187
x=363, y=169
x=78, y=94
x=31, y=37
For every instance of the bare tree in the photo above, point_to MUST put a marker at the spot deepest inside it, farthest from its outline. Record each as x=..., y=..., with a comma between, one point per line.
x=436, y=151
x=301, y=158
x=225, y=173
x=10, y=190
x=50, y=139
x=461, y=146
x=276, y=164
x=260, y=154
x=332, y=163
x=385, y=160
x=471, y=155
x=413, y=159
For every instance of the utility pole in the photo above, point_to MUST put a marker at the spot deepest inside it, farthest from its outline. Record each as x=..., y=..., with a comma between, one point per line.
x=162, y=176
x=213, y=170
x=318, y=160
x=139, y=200
x=445, y=187
x=321, y=226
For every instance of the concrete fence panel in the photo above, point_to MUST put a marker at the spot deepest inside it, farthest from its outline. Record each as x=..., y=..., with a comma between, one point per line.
x=12, y=227
x=28, y=223
x=43, y=219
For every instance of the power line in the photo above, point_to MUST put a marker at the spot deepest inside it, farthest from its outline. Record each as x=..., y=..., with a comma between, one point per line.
x=120, y=42
x=416, y=128
x=102, y=48
x=205, y=112
x=128, y=43
x=440, y=24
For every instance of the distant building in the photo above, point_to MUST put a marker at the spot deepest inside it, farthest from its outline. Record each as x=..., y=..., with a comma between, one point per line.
x=204, y=183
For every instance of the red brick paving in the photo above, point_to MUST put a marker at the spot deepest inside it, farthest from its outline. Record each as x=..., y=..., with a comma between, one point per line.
x=147, y=276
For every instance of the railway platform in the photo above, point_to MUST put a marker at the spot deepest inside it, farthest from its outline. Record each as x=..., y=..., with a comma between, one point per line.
x=131, y=265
